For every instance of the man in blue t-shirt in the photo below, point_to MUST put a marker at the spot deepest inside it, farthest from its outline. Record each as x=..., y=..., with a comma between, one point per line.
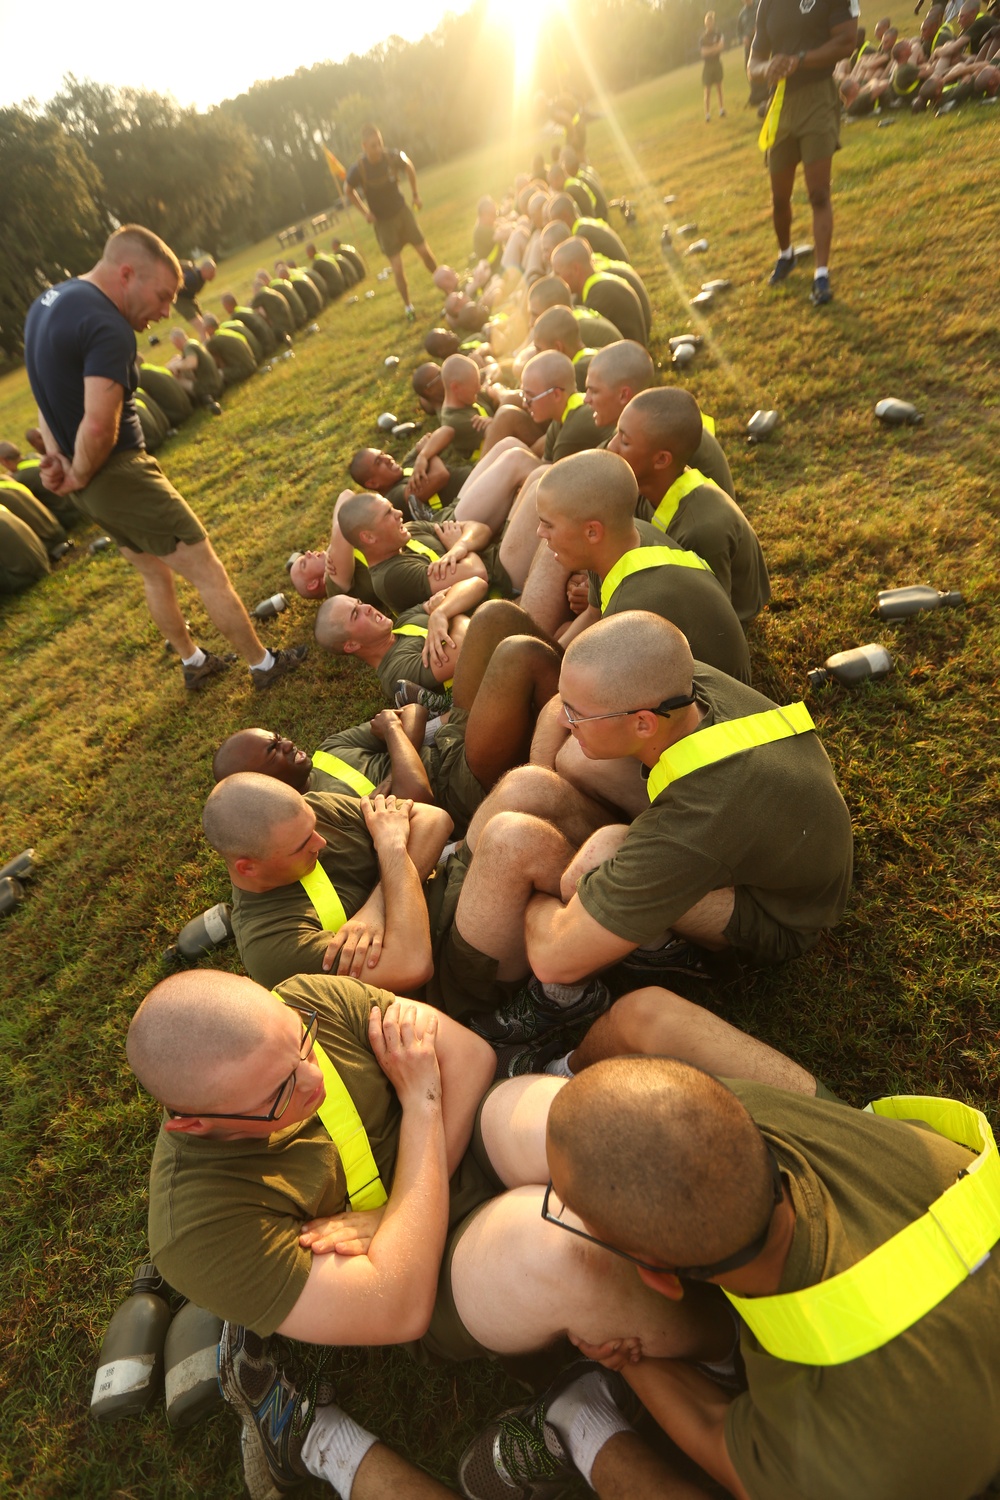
x=80, y=352
x=375, y=175
x=795, y=48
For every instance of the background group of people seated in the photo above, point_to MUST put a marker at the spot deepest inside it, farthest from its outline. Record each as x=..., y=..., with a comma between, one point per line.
x=951, y=59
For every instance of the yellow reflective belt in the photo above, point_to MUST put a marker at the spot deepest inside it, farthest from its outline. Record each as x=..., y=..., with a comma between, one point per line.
x=769, y=129
x=708, y=423
x=642, y=558
x=424, y=551
x=720, y=741
x=899, y=1282
x=346, y=1130
x=320, y=889
x=334, y=766
x=571, y=405
x=419, y=630
x=683, y=485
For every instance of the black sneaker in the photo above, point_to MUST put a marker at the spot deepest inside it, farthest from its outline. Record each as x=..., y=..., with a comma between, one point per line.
x=822, y=291
x=678, y=957
x=289, y=659
x=532, y=1015
x=516, y=1059
x=520, y=1456
x=405, y=692
x=276, y=1416
x=783, y=268
x=195, y=678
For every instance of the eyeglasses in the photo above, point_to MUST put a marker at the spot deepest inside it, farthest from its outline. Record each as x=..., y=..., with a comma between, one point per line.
x=283, y=1098
x=530, y=400
x=666, y=707
x=693, y=1273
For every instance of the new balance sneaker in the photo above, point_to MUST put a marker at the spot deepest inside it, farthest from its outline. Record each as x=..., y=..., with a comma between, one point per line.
x=195, y=678
x=520, y=1456
x=532, y=1015
x=288, y=659
x=420, y=510
x=783, y=268
x=405, y=692
x=276, y=1415
x=822, y=291
x=677, y=957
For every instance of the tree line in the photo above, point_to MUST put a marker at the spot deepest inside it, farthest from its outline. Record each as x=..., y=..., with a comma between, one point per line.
x=96, y=156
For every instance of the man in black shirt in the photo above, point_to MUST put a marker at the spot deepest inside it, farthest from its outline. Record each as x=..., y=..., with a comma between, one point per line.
x=80, y=353
x=794, y=50
x=375, y=174
x=194, y=278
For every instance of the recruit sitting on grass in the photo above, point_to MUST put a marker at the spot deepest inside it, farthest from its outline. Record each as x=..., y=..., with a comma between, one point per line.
x=80, y=351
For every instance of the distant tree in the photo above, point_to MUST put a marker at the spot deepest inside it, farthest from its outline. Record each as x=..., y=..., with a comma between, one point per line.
x=53, y=225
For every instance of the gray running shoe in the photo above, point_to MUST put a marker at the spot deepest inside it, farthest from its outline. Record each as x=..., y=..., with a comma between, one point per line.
x=531, y=1015
x=405, y=692
x=678, y=957
x=518, y=1058
x=276, y=1416
x=289, y=659
x=195, y=678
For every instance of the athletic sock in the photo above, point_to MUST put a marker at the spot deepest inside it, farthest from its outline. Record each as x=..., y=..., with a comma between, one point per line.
x=820, y=271
x=585, y=1417
x=786, y=254
x=197, y=660
x=559, y=1067
x=430, y=730
x=334, y=1448
x=563, y=995
x=264, y=665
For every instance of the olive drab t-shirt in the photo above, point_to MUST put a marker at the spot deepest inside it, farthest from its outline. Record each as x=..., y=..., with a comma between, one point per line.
x=468, y=439
x=296, y=305
x=233, y=355
x=627, y=273
x=574, y=432
x=168, y=393
x=690, y=598
x=278, y=932
x=308, y=293
x=22, y=556
x=279, y=314
x=919, y=1418
x=601, y=237
x=770, y=820
x=258, y=325
x=596, y=331
x=206, y=374
x=362, y=751
x=34, y=513
x=401, y=581
x=327, y=267
x=403, y=661
x=614, y=299
x=709, y=522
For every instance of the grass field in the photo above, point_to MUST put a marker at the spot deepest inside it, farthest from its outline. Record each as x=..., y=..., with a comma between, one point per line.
x=105, y=762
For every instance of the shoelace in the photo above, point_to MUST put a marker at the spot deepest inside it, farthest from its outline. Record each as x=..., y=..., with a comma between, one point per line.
x=524, y=1453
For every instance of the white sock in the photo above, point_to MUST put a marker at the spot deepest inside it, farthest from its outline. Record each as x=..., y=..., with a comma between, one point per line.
x=585, y=1417
x=334, y=1448
x=786, y=254
x=264, y=665
x=194, y=661
x=559, y=1067
x=563, y=995
x=430, y=730
x=820, y=271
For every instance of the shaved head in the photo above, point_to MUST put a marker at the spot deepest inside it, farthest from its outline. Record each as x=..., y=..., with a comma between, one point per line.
x=659, y=1158
x=548, y=291
x=634, y=658
x=333, y=628
x=557, y=325
x=357, y=515
x=261, y=751
x=426, y=378
x=459, y=368
x=132, y=241
x=441, y=342
x=572, y=252
x=625, y=363
x=244, y=812
x=8, y=453
x=193, y=1026
x=551, y=369
x=591, y=486
x=671, y=419
x=554, y=234
x=562, y=206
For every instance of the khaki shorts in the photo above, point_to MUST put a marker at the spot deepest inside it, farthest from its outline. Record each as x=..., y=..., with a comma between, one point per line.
x=402, y=229
x=456, y=788
x=808, y=127
x=464, y=980
x=135, y=503
x=753, y=931
x=187, y=307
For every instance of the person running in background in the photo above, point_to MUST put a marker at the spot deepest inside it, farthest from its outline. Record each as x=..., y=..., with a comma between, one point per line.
x=711, y=45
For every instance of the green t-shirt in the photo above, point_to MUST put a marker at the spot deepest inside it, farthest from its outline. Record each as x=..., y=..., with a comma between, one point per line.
x=770, y=821
x=152, y=421
x=709, y=522
x=34, y=513
x=333, y=277
x=601, y=238
x=596, y=331
x=233, y=354
x=206, y=374
x=279, y=313
x=242, y=331
x=169, y=395
x=918, y=1419
x=465, y=445
x=615, y=300
x=22, y=556
x=581, y=364
x=298, y=308
x=403, y=660
x=625, y=272
x=278, y=932
x=447, y=494
x=258, y=325
x=312, y=299
x=712, y=462
x=401, y=581
x=361, y=586
x=690, y=598
x=573, y=432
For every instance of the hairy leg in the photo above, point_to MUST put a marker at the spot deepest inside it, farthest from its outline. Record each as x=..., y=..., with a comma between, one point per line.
x=656, y=1022
x=625, y=1469
x=523, y=674
x=200, y=565
x=708, y=919
x=494, y=621
x=382, y=1472
x=161, y=599
x=617, y=782
x=513, y=1120
x=511, y=421
x=515, y=856
x=544, y=592
x=520, y=542
x=543, y=794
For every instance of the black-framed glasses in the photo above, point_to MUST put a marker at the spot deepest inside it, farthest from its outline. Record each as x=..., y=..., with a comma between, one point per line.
x=283, y=1098
x=666, y=707
x=693, y=1273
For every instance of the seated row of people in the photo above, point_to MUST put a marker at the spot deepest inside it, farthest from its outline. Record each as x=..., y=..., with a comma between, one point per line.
x=948, y=62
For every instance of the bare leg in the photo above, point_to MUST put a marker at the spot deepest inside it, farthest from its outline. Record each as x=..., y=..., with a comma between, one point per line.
x=161, y=599
x=705, y=923
x=200, y=566
x=519, y=1283
x=659, y=1023
x=617, y=782
x=625, y=1469
x=515, y=856
x=513, y=1121
x=781, y=206
x=511, y=421
x=489, y=496
x=382, y=1472
x=426, y=255
x=494, y=621
x=505, y=445
x=399, y=276
x=817, y=175
x=522, y=676
x=520, y=542
x=534, y=790
x=544, y=592
x=550, y=735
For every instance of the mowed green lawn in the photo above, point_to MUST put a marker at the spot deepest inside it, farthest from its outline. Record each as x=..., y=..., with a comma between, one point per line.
x=105, y=761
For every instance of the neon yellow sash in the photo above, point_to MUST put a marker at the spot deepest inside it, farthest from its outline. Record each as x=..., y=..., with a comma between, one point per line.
x=334, y=766
x=708, y=423
x=419, y=630
x=359, y=556
x=328, y=906
x=897, y=1284
x=642, y=558
x=346, y=1130
x=769, y=129
x=682, y=485
x=603, y=276
x=583, y=354
x=571, y=405
x=424, y=551
x=720, y=741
